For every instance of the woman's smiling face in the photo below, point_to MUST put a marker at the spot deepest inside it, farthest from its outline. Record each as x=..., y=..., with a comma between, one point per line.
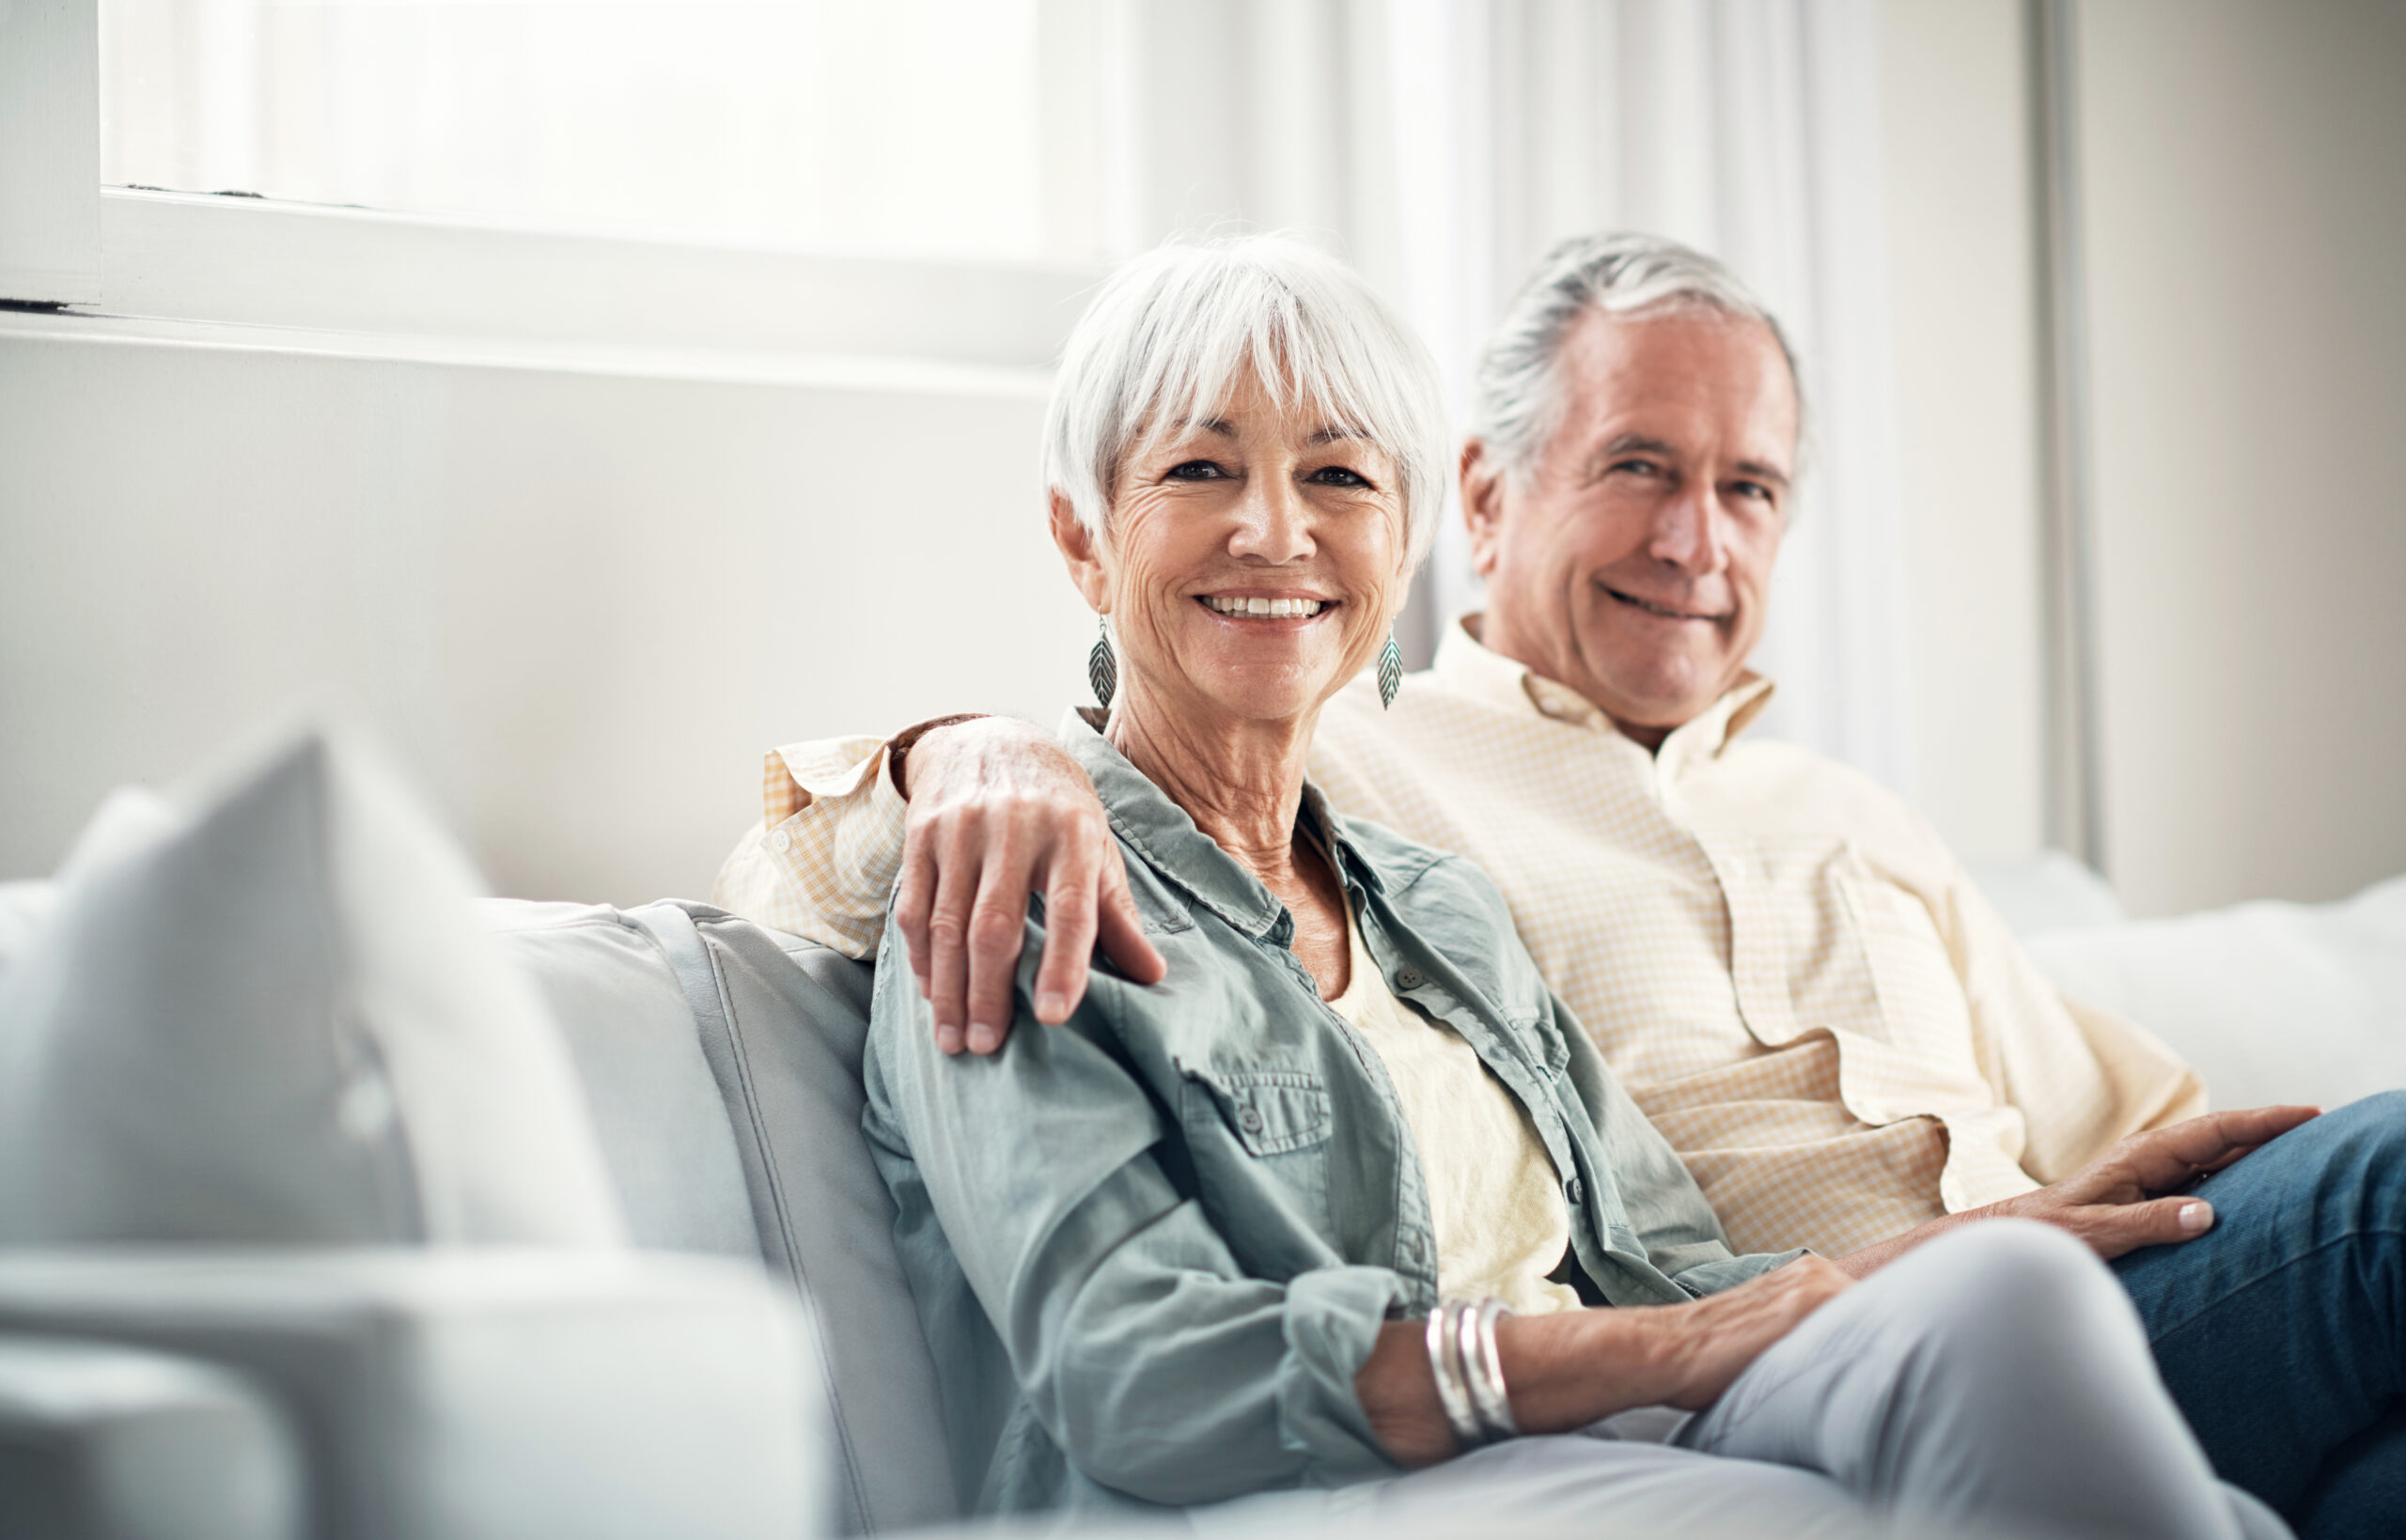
x=1252, y=562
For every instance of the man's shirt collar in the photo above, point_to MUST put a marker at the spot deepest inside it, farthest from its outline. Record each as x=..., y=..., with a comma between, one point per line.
x=1467, y=666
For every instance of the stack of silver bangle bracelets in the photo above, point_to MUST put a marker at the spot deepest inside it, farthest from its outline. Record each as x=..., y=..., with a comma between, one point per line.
x=1470, y=1371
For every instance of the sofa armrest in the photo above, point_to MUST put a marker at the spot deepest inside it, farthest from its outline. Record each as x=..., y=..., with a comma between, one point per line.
x=100, y=1441
x=477, y=1394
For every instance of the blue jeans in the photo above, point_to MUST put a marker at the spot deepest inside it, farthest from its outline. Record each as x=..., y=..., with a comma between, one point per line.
x=2281, y=1332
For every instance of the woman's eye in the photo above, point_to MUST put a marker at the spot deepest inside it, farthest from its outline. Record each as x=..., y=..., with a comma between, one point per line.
x=1195, y=470
x=1338, y=476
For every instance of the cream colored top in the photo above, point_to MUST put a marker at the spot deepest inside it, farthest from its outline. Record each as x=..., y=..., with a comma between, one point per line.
x=1493, y=1195
x=1785, y=965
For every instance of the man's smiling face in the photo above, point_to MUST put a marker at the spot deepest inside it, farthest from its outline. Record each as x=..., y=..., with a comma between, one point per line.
x=1632, y=562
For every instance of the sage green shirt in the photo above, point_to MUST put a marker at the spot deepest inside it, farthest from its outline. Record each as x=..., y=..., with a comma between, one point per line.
x=1152, y=1246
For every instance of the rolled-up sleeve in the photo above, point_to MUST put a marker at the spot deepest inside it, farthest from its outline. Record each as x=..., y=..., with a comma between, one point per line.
x=1728, y=1272
x=1156, y=1365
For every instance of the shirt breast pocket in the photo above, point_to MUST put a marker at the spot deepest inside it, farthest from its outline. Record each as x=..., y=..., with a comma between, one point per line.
x=1258, y=1139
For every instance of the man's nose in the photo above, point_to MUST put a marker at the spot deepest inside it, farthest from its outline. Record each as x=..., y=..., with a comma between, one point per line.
x=1690, y=533
x=1274, y=524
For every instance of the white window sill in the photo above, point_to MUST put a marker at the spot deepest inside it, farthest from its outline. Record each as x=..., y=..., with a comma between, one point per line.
x=235, y=272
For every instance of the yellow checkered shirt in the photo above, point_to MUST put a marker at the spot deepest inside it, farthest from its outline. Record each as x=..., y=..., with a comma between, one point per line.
x=1784, y=964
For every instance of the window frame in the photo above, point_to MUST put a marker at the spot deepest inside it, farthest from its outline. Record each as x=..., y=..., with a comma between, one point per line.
x=360, y=279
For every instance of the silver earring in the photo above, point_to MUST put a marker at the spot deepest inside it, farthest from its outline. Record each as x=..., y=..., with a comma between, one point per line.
x=1101, y=671
x=1390, y=671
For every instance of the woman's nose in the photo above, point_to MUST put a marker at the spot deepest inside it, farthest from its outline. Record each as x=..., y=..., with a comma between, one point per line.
x=1273, y=524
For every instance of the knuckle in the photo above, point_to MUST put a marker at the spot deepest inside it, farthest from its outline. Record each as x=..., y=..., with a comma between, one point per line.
x=989, y=924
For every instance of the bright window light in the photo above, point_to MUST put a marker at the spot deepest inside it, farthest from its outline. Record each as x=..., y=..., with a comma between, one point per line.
x=923, y=128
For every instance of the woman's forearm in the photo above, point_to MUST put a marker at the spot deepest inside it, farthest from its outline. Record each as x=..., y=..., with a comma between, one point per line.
x=1565, y=1371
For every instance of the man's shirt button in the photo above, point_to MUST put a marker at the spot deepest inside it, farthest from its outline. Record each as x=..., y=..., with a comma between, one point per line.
x=1577, y=1190
x=781, y=842
x=1409, y=978
x=1249, y=1120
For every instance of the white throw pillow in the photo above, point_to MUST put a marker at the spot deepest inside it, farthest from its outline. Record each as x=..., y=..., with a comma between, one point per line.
x=2271, y=1002
x=264, y=1012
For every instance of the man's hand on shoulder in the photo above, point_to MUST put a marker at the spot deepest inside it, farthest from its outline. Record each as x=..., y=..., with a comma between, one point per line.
x=2131, y=1196
x=999, y=811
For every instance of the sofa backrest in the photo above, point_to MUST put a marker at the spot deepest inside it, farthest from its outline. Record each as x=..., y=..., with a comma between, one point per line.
x=723, y=1064
x=656, y=1103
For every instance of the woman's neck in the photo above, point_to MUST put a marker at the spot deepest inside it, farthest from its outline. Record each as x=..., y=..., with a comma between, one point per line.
x=1242, y=782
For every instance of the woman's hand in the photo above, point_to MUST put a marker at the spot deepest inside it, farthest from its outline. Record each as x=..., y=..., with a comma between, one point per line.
x=1568, y=1369
x=997, y=812
x=1711, y=1343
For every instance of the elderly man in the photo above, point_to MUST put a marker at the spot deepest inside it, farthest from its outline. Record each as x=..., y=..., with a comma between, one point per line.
x=1785, y=966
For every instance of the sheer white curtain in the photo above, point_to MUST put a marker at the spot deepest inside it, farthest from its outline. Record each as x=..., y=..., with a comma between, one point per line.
x=1443, y=145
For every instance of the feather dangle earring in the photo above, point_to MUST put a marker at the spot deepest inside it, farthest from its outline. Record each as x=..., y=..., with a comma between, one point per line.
x=1102, y=671
x=1390, y=671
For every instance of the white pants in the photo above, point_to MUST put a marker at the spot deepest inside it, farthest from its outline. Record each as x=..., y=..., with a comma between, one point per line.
x=1996, y=1381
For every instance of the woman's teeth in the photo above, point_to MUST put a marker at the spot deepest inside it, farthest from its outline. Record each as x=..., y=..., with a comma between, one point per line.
x=1275, y=609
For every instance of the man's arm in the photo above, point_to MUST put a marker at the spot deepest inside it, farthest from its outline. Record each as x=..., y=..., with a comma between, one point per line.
x=995, y=810
x=999, y=811
x=2129, y=1197
x=2081, y=1079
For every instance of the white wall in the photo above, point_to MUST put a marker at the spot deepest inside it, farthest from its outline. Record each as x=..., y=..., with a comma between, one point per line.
x=1959, y=248
x=577, y=604
x=579, y=599
x=2246, y=211
x=2246, y=217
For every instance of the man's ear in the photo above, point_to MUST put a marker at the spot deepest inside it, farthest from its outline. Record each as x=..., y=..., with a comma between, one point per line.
x=1081, y=552
x=1482, y=490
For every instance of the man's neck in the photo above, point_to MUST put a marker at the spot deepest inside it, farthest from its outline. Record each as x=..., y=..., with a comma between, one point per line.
x=1648, y=738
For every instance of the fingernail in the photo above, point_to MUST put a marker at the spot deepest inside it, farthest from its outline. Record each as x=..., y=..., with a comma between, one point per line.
x=983, y=1038
x=1051, y=1006
x=2197, y=1217
x=949, y=1039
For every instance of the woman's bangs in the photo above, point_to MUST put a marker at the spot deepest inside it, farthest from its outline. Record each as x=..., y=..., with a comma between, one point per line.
x=1258, y=332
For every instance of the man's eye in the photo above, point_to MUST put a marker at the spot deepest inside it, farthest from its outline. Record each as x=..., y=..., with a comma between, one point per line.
x=1338, y=476
x=1195, y=470
x=1755, y=490
x=1639, y=467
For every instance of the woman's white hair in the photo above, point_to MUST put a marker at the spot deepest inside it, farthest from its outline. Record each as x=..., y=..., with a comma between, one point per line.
x=1174, y=331
x=1520, y=398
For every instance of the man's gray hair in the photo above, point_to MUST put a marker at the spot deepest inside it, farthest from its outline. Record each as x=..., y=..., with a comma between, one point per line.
x=1520, y=399
x=1175, y=330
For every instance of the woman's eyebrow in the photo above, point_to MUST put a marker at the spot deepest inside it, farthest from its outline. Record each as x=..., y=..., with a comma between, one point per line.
x=1209, y=425
x=1330, y=432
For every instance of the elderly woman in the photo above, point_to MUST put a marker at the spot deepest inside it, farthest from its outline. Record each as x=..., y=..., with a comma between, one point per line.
x=1345, y=1195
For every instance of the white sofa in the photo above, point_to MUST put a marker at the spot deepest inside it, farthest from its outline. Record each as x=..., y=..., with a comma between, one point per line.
x=294, y=1288
x=2272, y=1002
x=177, y=1385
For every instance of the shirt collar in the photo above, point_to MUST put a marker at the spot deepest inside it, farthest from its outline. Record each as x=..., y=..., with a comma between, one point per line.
x=1182, y=855
x=1465, y=664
